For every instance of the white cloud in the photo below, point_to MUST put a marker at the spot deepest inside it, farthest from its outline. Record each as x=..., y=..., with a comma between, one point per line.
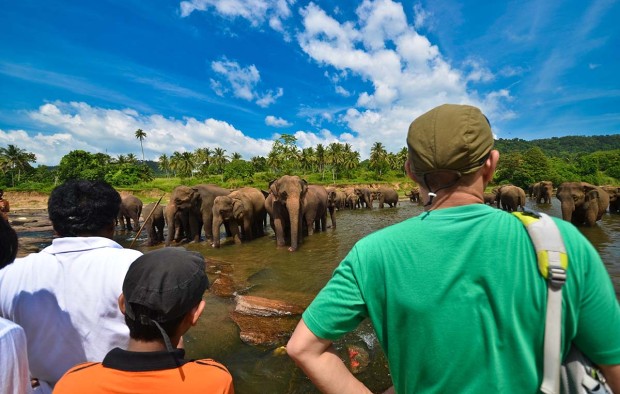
x=257, y=12
x=342, y=91
x=271, y=120
x=407, y=74
x=593, y=66
x=269, y=98
x=78, y=125
x=420, y=16
x=242, y=82
x=476, y=71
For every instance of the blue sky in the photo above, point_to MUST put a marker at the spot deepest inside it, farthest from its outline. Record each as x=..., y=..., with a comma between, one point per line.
x=236, y=74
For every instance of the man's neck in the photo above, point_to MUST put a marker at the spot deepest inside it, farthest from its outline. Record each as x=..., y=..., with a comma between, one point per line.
x=461, y=196
x=149, y=346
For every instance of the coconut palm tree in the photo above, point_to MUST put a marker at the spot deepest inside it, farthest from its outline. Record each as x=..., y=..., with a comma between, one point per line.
x=16, y=159
x=335, y=157
x=320, y=159
x=235, y=156
x=164, y=164
x=202, y=157
x=219, y=159
x=378, y=157
x=141, y=135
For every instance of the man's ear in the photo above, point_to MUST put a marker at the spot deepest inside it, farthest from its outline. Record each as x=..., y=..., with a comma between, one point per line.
x=410, y=173
x=489, y=166
x=197, y=311
x=121, y=303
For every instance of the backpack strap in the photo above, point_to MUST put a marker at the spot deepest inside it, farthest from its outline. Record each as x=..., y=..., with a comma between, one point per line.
x=552, y=264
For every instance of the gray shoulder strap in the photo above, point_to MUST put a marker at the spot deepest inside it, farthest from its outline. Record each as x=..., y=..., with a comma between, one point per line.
x=552, y=264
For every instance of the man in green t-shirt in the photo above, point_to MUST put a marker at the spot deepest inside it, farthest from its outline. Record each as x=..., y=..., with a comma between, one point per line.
x=454, y=294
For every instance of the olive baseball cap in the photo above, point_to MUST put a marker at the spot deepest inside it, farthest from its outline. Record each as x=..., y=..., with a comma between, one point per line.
x=449, y=137
x=169, y=282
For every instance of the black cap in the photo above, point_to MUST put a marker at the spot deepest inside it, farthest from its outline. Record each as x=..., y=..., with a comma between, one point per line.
x=169, y=282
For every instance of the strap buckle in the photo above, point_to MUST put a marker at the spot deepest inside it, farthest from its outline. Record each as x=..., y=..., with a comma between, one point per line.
x=556, y=276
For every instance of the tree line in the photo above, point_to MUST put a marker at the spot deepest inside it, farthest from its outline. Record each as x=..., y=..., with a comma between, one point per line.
x=593, y=159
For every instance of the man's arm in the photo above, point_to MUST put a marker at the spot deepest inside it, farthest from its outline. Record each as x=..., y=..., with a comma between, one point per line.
x=612, y=374
x=318, y=359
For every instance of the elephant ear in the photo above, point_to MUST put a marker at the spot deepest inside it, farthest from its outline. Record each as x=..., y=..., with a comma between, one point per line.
x=587, y=188
x=237, y=207
x=273, y=189
x=304, y=188
x=592, y=194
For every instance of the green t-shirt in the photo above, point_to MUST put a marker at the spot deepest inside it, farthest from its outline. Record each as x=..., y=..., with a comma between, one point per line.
x=458, y=304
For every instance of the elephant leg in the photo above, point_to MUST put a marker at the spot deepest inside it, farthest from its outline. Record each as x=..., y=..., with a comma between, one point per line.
x=207, y=223
x=234, y=229
x=278, y=226
x=332, y=217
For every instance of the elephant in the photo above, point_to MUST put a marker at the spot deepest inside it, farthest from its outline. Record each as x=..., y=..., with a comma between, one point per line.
x=154, y=223
x=542, y=192
x=315, y=209
x=243, y=208
x=614, y=198
x=285, y=205
x=332, y=203
x=490, y=198
x=511, y=198
x=195, y=205
x=351, y=200
x=387, y=195
x=414, y=195
x=582, y=203
x=365, y=195
x=130, y=210
x=336, y=198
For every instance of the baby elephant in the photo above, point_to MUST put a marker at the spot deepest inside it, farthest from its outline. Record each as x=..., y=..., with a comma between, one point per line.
x=243, y=208
x=131, y=208
x=154, y=223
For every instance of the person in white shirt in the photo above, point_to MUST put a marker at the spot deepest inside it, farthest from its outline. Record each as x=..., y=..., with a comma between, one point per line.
x=65, y=297
x=13, y=355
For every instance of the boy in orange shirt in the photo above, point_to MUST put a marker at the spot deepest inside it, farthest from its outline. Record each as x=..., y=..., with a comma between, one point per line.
x=161, y=300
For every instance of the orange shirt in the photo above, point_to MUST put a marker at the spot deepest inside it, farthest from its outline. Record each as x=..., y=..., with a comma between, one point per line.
x=155, y=372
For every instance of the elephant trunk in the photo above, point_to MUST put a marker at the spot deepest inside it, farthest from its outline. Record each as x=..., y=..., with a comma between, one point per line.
x=568, y=207
x=294, y=213
x=217, y=223
x=170, y=212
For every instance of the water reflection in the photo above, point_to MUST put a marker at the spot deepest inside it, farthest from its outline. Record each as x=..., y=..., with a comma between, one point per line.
x=297, y=277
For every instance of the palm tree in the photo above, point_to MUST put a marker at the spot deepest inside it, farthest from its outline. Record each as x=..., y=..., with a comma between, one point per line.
x=320, y=159
x=175, y=159
x=164, y=164
x=307, y=159
x=14, y=158
x=219, y=159
x=202, y=157
x=132, y=159
x=378, y=157
x=182, y=164
x=335, y=157
x=141, y=135
x=235, y=156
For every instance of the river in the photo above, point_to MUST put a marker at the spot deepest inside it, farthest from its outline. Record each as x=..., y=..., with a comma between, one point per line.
x=297, y=277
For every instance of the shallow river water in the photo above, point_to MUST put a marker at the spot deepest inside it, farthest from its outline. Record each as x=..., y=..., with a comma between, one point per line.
x=297, y=277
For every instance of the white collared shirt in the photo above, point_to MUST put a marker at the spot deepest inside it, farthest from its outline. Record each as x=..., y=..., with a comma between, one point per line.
x=66, y=300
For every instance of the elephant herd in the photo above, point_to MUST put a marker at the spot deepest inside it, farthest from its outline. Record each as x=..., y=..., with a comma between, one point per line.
x=581, y=203
x=361, y=197
x=292, y=207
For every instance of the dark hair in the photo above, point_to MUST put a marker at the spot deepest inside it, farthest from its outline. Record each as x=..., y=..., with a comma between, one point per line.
x=83, y=207
x=8, y=243
x=150, y=332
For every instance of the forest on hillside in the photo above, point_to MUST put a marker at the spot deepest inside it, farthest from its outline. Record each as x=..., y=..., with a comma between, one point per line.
x=593, y=159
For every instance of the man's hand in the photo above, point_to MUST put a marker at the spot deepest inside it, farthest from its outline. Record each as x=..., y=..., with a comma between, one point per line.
x=318, y=359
